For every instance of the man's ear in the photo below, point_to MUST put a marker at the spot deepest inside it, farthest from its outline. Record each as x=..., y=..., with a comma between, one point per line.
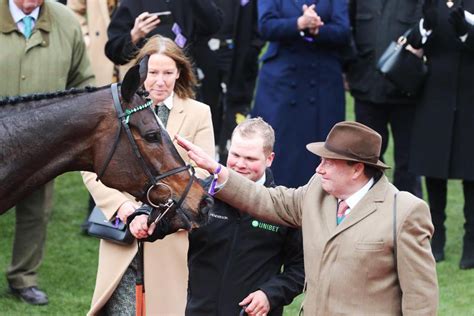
x=269, y=160
x=358, y=170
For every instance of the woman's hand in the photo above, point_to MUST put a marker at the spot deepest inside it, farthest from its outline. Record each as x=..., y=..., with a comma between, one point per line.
x=125, y=210
x=309, y=20
x=139, y=227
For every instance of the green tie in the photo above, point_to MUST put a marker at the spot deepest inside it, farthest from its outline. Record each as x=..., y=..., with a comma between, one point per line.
x=162, y=112
x=27, y=22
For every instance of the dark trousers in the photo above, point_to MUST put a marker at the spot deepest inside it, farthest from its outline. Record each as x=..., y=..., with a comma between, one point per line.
x=400, y=118
x=32, y=215
x=437, y=194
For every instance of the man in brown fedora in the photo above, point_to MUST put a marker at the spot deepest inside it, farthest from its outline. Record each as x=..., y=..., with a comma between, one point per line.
x=347, y=211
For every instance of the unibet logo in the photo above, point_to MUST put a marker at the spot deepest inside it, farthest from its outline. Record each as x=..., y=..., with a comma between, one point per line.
x=265, y=226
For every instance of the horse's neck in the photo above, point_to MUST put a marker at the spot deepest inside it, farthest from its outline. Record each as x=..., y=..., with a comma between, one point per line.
x=39, y=143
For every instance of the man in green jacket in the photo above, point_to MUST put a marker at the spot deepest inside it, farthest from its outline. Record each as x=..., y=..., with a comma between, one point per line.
x=42, y=51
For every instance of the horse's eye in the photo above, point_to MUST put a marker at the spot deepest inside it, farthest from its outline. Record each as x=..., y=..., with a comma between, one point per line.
x=152, y=137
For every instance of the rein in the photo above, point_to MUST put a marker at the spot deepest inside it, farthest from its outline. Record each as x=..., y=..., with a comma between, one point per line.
x=124, y=118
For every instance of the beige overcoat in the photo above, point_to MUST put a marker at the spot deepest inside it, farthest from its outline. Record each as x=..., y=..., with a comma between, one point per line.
x=166, y=272
x=94, y=18
x=350, y=268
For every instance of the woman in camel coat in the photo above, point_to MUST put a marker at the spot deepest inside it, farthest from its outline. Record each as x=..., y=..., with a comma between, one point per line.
x=170, y=82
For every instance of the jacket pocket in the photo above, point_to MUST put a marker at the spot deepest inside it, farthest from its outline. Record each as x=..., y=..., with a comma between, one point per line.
x=370, y=245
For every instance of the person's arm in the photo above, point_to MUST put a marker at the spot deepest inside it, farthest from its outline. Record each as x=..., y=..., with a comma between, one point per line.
x=279, y=205
x=284, y=287
x=336, y=31
x=207, y=16
x=415, y=263
x=273, y=26
x=119, y=48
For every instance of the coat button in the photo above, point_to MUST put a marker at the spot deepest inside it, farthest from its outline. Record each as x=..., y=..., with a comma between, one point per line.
x=312, y=100
x=293, y=85
x=97, y=33
x=293, y=102
x=23, y=77
x=312, y=82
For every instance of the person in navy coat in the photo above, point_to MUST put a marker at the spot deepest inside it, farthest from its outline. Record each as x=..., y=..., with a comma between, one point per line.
x=300, y=81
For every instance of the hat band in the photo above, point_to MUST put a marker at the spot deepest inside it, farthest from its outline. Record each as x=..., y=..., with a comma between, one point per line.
x=351, y=155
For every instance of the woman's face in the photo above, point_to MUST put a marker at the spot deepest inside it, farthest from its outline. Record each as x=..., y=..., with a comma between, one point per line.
x=161, y=77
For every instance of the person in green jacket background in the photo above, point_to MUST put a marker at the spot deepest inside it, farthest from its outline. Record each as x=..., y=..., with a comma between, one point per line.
x=42, y=51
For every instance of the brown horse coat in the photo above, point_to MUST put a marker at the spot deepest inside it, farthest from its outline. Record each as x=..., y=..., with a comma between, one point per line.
x=166, y=272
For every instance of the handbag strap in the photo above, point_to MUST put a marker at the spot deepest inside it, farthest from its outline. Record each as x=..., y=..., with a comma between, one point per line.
x=395, y=229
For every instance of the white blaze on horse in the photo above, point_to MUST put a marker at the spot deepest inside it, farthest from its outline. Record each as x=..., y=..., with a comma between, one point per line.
x=110, y=131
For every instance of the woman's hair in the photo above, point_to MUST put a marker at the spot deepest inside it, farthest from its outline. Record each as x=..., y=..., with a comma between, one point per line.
x=186, y=82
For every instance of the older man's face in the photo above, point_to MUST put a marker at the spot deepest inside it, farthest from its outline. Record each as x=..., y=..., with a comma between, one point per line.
x=27, y=6
x=336, y=177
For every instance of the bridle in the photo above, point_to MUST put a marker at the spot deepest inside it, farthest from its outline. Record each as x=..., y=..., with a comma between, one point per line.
x=153, y=181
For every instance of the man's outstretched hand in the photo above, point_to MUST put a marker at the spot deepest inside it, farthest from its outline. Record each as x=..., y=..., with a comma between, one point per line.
x=202, y=159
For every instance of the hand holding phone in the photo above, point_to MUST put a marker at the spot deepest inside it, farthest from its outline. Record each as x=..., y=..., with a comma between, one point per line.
x=165, y=17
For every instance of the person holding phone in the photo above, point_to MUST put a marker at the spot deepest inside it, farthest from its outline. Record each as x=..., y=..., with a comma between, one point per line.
x=181, y=20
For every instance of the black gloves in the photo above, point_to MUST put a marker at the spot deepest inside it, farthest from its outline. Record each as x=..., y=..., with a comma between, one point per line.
x=430, y=15
x=458, y=21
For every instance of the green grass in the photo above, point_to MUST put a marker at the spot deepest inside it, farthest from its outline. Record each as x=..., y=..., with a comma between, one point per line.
x=69, y=267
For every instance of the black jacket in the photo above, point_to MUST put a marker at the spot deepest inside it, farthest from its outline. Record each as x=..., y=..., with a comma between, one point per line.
x=195, y=17
x=236, y=254
x=375, y=24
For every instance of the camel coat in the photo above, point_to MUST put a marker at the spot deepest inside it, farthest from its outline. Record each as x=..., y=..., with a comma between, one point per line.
x=166, y=272
x=94, y=18
x=350, y=267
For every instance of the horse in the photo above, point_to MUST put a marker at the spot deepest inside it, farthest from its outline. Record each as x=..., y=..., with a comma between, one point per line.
x=111, y=131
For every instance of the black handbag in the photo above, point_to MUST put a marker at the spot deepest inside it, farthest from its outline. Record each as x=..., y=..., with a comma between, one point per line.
x=403, y=68
x=100, y=227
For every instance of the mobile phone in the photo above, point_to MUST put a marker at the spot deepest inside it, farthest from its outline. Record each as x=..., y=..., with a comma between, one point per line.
x=165, y=17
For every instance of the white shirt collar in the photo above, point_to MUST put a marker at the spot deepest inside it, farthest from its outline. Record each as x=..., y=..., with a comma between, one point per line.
x=18, y=15
x=356, y=197
x=169, y=101
x=262, y=179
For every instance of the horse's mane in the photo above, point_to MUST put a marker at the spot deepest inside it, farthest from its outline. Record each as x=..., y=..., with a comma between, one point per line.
x=46, y=96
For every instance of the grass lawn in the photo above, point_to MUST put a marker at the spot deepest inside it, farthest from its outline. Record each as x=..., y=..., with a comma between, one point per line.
x=69, y=267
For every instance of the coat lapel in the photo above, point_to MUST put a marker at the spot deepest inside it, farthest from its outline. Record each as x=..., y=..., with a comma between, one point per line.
x=176, y=118
x=364, y=208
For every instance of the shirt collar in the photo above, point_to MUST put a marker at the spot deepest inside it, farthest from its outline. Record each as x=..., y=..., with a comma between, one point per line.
x=262, y=179
x=168, y=102
x=356, y=197
x=18, y=15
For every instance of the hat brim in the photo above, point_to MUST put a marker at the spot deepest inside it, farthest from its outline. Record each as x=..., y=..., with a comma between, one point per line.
x=321, y=151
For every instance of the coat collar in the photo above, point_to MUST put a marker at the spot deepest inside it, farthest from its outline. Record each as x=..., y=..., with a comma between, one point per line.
x=7, y=24
x=177, y=115
x=364, y=208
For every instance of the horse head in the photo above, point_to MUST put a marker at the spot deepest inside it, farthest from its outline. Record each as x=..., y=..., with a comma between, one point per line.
x=158, y=176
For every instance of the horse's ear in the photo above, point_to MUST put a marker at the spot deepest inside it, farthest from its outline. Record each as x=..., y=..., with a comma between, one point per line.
x=134, y=79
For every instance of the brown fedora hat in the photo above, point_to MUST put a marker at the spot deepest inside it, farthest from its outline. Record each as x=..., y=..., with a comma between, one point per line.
x=351, y=141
